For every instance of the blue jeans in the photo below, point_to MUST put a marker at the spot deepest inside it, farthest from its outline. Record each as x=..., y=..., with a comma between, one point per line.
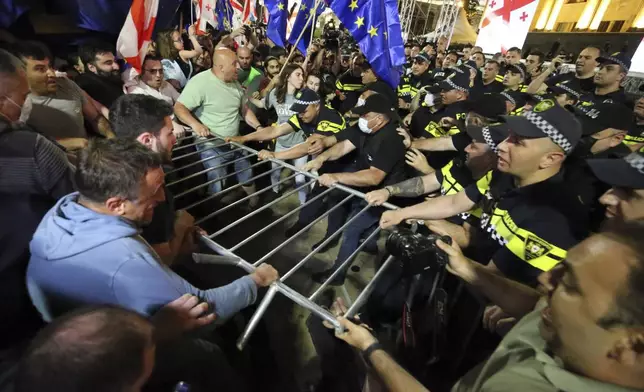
x=300, y=179
x=360, y=228
x=208, y=150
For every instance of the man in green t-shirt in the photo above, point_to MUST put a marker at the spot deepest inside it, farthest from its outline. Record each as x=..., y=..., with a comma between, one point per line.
x=213, y=104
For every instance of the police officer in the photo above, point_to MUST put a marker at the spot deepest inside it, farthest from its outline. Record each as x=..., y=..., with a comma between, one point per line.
x=372, y=82
x=479, y=158
x=625, y=199
x=635, y=137
x=566, y=92
x=515, y=101
x=410, y=85
x=512, y=57
x=379, y=161
x=529, y=214
x=349, y=85
x=487, y=82
x=514, y=78
x=608, y=80
x=446, y=68
x=312, y=118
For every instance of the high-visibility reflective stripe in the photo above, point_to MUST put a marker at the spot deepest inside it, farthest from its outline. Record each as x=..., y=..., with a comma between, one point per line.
x=630, y=139
x=523, y=88
x=449, y=186
x=296, y=121
x=498, y=78
x=483, y=184
x=437, y=131
x=517, y=111
x=524, y=244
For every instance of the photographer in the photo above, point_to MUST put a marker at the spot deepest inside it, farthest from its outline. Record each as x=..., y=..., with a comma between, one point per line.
x=530, y=214
x=585, y=335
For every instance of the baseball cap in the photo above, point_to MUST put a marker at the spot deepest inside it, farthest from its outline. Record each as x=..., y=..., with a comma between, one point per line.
x=602, y=116
x=377, y=103
x=303, y=99
x=490, y=105
x=627, y=172
x=517, y=98
x=471, y=64
x=493, y=134
x=618, y=58
x=517, y=68
x=547, y=119
x=571, y=87
x=456, y=81
x=422, y=56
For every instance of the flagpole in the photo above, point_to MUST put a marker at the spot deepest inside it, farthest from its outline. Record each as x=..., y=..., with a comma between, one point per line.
x=308, y=21
x=192, y=12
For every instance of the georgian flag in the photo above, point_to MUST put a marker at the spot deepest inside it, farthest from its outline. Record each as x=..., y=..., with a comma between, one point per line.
x=136, y=34
x=206, y=16
x=505, y=24
x=250, y=13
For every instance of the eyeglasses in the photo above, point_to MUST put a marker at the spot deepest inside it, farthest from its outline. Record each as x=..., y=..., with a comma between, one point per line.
x=155, y=71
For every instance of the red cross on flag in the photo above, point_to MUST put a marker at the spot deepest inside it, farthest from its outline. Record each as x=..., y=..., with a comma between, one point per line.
x=206, y=16
x=505, y=24
x=136, y=34
x=250, y=12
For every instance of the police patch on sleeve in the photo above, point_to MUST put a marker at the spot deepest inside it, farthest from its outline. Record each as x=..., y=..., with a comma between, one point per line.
x=543, y=105
x=535, y=247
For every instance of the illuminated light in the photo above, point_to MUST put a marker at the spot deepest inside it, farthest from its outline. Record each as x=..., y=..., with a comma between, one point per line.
x=599, y=15
x=460, y=4
x=554, y=15
x=587, y=14
x=543, y=16
x=639, y=21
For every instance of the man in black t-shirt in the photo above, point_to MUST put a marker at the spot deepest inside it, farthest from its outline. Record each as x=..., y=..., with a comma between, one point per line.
x=380, y=161
x=584, y=70
x=102, y=79
x=487, y=83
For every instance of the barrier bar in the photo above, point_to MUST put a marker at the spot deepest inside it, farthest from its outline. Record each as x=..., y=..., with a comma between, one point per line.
x=366, y=292
x=252, y=237
x=217, y=179
x=202, y=161
x=344, y=264
x=283, y=244
x=323, y=244
x=257, y=316
x=199, y=152
x=194, y=144
x=224, y=191
x=193, y=175
x=247, y=197
x=243, y=218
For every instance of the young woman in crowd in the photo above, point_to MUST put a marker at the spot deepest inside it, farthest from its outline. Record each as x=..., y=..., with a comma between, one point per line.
x=281, y=98
x=177, y=61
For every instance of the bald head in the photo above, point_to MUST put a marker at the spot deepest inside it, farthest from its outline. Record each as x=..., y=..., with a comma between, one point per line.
x=225, y=64
x=245, y=57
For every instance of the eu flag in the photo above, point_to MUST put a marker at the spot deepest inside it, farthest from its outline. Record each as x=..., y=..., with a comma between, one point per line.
x=303, y=15
x=224, y=13
x=278, y=16
x=375, y=25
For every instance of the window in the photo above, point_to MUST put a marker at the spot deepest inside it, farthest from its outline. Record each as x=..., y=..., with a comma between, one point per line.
x=617, y=26
x=603, y=26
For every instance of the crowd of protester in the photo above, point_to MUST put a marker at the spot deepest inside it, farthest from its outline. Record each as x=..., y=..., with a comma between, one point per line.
x=536, y=175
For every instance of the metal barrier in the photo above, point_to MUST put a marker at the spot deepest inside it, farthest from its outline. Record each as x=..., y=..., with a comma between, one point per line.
x=228, y=257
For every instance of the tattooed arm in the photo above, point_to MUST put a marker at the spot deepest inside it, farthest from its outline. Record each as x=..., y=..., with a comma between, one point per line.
x=413, y=187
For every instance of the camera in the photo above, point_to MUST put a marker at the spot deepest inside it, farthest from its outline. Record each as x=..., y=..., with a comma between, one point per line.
x=416, y=251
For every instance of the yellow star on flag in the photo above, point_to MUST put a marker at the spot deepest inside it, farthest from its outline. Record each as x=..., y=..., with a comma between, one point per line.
x=353, y=5
x=311, y=12
x=373, y=31
x=280, y=6
x=303, y=7
x=360, y=21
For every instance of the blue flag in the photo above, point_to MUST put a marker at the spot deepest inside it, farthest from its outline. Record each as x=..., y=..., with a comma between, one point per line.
x=224, y=12
x=375, y=25
x=303, y=15
x=278, y=16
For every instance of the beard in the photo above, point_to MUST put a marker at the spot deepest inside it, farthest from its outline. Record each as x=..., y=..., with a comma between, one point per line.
x=112, y=76
x=166, y=155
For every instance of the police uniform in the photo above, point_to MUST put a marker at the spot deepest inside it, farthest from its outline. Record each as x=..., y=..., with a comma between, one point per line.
x=350, y=85
x=516, y=98
x=586, y=85
x=635, y=135
x=480, y=88
x=530, y=228
x=618, y=96
x=383, y=150
x=410, y=85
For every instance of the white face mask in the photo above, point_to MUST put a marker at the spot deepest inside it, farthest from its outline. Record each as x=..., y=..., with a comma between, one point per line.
x=429, y=99
x=362, y=124
x=361, y=102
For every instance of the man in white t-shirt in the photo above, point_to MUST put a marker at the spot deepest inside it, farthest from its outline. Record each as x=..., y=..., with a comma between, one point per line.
x=151, y=82
x=213, y=103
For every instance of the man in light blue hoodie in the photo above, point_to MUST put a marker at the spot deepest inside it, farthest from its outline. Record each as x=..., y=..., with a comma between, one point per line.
x=87, y=249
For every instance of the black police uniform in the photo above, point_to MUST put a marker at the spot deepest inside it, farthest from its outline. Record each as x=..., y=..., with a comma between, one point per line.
x=383, y=88
x=350, y=85
x=480, y=88
x=635, y=135
x=529, y=229
x=409, y=85
x=587, y=85
x=592, y=98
